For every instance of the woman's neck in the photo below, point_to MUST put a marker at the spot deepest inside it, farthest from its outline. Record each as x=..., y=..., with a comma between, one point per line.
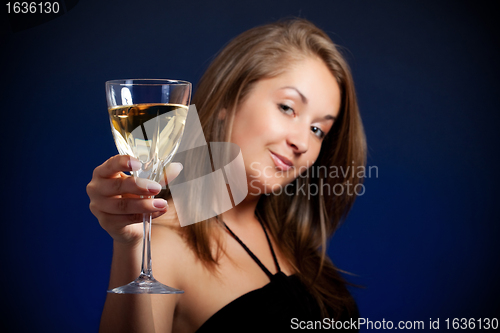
x=242, y=213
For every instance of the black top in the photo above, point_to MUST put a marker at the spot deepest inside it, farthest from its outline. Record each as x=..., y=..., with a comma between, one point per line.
x=271, y=308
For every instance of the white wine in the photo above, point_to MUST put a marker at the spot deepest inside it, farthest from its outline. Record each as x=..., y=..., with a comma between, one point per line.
x=150, y=132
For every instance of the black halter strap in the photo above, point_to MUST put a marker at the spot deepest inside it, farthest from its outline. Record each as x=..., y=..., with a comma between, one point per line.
x=268, y=273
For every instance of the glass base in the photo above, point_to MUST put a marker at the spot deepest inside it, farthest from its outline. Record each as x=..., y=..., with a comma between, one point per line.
x=145, y=285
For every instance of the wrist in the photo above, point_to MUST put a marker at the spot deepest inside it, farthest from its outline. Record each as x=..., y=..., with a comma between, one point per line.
x=124, y=245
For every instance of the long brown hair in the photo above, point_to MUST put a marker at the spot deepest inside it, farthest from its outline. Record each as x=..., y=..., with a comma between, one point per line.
x=301, y=224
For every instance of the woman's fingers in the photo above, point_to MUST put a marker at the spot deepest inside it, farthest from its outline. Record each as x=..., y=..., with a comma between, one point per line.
x=116, y=164
x=128, y=206
x=125, y=219
x=109, y=179
x=108, y=187
x=170, y=173
x=120, y=201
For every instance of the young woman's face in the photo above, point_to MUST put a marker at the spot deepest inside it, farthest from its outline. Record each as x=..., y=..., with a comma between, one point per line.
x=281, y=124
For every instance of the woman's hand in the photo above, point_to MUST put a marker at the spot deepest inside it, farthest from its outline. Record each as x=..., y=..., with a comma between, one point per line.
x=115, y=198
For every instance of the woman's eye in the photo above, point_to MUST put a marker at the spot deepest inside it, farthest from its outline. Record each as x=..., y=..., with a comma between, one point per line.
x=318, y=132
x=286, y=109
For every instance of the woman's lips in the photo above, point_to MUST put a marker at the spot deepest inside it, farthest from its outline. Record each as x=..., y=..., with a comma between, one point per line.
x=282, y=163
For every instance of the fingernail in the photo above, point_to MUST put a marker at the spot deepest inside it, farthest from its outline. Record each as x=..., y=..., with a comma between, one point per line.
x=134, y=164
x=153, y=187
x=160, y=203
x=173, y=170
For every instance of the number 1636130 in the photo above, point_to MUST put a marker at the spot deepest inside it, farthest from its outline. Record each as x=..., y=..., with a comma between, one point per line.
x=33, y=7
x=471, y=324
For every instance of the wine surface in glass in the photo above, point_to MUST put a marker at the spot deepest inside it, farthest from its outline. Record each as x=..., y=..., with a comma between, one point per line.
x=149, y=132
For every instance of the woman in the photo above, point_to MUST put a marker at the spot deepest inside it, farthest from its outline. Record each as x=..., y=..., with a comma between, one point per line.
x=284, y=94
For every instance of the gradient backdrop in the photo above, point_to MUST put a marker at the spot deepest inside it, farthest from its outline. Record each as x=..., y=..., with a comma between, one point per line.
x=422, y=240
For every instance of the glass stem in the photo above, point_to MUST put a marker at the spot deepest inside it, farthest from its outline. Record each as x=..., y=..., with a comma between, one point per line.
x=146, y=268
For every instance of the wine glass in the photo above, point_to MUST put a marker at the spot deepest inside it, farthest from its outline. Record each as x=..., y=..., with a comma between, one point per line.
x=147, y=120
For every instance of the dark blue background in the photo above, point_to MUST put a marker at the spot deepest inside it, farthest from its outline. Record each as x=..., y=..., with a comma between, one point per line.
x=423, y=240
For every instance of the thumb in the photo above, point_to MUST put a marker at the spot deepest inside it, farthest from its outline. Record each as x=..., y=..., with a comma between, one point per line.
x=170, y=173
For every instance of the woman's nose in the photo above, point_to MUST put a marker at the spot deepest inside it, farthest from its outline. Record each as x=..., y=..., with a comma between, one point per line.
x=298, y=138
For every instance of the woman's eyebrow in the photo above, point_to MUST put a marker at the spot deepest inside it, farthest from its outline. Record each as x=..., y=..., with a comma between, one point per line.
x=329, y=117
x=304, y=99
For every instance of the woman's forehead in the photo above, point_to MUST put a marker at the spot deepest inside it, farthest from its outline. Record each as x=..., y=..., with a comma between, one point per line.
x=309, y=80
